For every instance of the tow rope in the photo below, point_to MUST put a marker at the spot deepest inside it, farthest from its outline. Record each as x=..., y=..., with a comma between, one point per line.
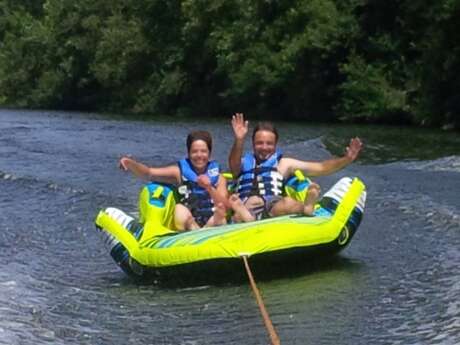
x=268, y=323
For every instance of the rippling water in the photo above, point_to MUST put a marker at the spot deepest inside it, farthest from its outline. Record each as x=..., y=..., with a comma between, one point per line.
x=397, y=283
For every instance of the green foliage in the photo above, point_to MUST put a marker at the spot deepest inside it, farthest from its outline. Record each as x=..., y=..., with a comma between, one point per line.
x=354, y=60
x=369, y=92
x=439, y=101
x=279, y=52
x=20, y=62
x=409, y=49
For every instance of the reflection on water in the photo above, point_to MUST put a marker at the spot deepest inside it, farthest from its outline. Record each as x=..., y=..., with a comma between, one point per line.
x=389, y=144
x=397, y=282
x=450, y=163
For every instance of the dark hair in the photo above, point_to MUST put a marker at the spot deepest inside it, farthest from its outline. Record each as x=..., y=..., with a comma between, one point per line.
x=265, y=126
x=199, y=135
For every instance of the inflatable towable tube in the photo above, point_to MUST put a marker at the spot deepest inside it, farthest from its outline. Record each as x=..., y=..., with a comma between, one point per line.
x=152, y=243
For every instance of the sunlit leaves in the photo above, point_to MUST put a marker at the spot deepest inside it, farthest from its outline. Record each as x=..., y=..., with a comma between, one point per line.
x=308, y=59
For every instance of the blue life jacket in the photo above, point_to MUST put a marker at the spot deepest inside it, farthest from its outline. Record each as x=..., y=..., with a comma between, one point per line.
x=194, y=197
x=261, y=179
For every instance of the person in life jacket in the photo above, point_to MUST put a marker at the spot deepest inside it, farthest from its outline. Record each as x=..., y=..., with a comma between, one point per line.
x=202, y=189
x=261, y=173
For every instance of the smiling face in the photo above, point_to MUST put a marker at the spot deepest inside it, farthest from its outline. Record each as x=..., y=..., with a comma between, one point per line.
x=264, y=144
x=199, y=155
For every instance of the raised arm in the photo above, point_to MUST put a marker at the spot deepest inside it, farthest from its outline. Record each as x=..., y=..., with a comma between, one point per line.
x=168, y=174
x=288, y=166
x=240, y=129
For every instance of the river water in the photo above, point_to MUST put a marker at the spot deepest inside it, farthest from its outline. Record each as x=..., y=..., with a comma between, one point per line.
x=398, y=282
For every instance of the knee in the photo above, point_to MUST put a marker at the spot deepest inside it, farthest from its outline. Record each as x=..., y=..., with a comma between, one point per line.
x=181, y=216
x=254, y=201
x=181, y=209
x=286, y=205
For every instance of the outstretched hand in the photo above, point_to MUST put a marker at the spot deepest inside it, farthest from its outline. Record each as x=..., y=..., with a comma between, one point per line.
x=354, y=148
x=240, y=126
x=123, y=163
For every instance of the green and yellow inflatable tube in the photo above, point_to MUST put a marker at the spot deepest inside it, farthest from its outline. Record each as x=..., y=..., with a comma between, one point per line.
x=152, y=243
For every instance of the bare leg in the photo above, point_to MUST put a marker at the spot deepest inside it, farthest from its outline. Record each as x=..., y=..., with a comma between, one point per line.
x=285, y=206
x=312, y=196
x=191, y=224
x=183, y=219
x=218, y=218
x=242, y=214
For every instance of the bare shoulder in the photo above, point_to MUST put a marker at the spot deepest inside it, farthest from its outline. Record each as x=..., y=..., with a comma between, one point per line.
x=287, y=165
